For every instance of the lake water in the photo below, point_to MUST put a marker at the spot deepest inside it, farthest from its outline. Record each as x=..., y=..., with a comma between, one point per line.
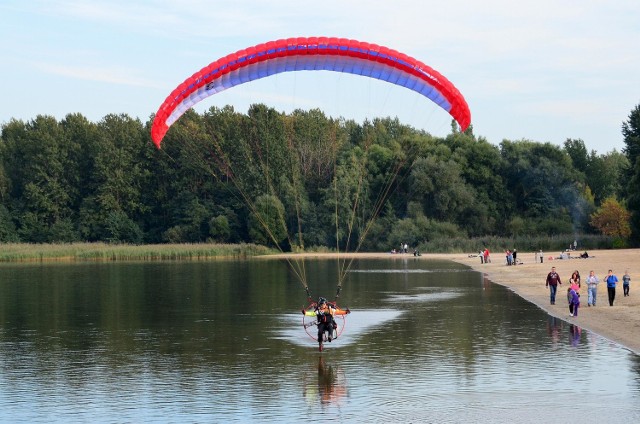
x=427, y=341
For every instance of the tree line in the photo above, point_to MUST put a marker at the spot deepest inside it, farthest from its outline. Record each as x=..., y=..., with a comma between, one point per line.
x=304, y=180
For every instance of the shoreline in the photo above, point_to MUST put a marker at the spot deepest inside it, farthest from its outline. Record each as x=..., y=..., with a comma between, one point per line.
x=619, y=323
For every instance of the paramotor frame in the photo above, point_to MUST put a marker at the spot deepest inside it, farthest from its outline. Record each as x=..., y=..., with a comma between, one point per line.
x=311, y=322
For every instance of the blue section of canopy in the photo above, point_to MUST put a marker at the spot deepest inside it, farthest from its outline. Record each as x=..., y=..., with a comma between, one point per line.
x=312, y=62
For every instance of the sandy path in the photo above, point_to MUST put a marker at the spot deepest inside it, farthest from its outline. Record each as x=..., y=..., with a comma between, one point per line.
x=620, y=323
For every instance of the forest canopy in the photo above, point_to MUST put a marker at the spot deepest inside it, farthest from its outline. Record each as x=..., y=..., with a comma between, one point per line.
x=221, y=174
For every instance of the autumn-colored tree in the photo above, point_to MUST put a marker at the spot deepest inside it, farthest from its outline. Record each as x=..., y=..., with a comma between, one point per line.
x=612, y=219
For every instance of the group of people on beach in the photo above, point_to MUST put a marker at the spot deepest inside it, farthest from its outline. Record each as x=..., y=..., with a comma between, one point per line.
x=485, y=256
x=575, y=284
x=404, y=248
x=512, y=256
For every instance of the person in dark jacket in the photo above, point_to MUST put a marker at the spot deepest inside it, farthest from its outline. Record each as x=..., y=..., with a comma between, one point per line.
x=553, y=279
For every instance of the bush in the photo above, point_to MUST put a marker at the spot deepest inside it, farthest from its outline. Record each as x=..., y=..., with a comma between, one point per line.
x=8, y=233
x=219, y=228
x=63, y=231
x=121, y=229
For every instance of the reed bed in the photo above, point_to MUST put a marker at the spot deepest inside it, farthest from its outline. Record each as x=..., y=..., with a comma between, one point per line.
x=23, y=252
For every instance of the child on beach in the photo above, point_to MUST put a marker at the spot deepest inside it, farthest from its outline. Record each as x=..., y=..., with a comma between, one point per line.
x=574, y=304
x=592, y=288
x=574, y=289
x=575, y=279
x=626, y=280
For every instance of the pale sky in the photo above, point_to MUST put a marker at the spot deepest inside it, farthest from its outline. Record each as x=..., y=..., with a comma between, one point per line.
x=543, y=70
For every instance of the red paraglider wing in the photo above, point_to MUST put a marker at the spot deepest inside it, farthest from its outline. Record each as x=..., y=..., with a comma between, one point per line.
x=310, y=54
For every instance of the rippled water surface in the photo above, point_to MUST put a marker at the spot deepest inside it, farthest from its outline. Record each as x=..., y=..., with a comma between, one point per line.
x=222, y=341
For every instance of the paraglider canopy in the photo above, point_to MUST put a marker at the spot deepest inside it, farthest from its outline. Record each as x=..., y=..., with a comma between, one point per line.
x=310, y=54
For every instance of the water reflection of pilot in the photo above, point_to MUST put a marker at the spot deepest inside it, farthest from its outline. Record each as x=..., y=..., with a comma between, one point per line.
x=331, y=385
x=326, y=380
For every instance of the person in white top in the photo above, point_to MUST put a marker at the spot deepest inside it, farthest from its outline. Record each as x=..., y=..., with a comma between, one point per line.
x=592, y=288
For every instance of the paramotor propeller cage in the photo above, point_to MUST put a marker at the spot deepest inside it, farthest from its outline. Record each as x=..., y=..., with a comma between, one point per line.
x=310, y=323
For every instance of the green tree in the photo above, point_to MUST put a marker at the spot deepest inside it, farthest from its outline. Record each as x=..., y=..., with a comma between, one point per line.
x=631, y=133
x=8, y=233
x=119, y=175
x=439, y=186
x=606, y=174
x=345, y=201
x=634, y=202
x=42, y=163
x=119, y=228
x=8, y=230
x=578, y=153
x=219, y=228
x=482, y=169
x=186, y=186
x=516, y=227
x=544, y=183
x=266, y=223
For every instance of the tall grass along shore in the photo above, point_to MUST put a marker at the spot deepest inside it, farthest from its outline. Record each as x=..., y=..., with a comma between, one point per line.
x=24, y=252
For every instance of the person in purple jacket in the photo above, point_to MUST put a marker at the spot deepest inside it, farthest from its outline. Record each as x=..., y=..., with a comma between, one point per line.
x=575, y=303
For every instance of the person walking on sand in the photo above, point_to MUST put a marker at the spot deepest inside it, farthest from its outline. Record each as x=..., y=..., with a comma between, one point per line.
x=626, y=281
x=611, y=280
x=592, y=288
x=553, y=279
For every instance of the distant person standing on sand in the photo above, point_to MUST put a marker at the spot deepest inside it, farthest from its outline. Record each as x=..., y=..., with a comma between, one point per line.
x=487, y=259
x=611, y=286
x=592, y=288
x=553, y=279
x=626, y=281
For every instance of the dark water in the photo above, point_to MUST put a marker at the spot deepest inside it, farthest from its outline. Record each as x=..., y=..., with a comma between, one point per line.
x=223, y=342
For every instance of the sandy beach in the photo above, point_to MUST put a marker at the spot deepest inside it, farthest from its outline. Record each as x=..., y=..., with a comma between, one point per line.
x=619, y=323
